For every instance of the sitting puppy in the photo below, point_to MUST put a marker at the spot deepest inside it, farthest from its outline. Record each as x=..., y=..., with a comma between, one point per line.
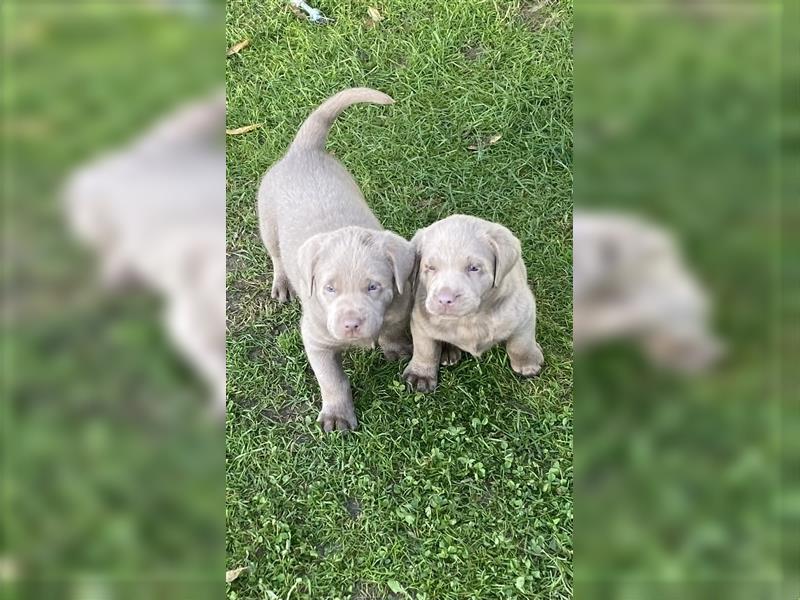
x=471, y=294
x=328, y=248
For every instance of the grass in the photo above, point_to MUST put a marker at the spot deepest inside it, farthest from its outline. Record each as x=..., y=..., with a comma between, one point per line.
x=466, y=493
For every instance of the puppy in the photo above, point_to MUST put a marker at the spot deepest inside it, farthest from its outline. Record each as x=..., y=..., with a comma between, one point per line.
x=327, y=248
x=471, y=294
x=153, y=213
x=631, y=283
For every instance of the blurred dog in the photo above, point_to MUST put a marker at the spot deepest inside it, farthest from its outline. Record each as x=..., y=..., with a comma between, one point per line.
x=630, y=282
x=329, y=249
x=154, y=214
x=471, y=294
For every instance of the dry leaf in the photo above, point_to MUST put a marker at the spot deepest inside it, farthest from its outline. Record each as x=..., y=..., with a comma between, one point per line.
x=233, y=574
x=241, y=130
x=483, y=143
x=236, y=48
x=374, y=14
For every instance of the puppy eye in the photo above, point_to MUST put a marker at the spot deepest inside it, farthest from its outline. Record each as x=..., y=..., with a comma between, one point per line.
x=373, y=287
x=473, y=269
x=430, y=268
x=330, y=289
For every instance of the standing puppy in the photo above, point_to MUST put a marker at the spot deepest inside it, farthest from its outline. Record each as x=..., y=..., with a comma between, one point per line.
x=328, y=249
x=472, y=293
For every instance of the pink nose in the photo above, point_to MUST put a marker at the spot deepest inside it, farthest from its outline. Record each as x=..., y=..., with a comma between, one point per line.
x=351, y=326
x=447, y=298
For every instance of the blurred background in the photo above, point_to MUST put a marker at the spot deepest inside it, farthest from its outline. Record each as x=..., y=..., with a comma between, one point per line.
x=686, y=486
x=112, y=461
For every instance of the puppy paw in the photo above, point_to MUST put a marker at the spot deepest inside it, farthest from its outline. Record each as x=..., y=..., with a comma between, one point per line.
x=528, y=366
x=420, y=380
x=337, y=420
x=281, y=290
x=450, y=355
x=396, y=350
x=531, y=370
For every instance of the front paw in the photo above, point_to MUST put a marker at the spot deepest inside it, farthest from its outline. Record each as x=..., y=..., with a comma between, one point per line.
x=529, y=365
x=450, y=355
x=337, y=420
x=420, y=380
x=282, y=291
x=396, y=350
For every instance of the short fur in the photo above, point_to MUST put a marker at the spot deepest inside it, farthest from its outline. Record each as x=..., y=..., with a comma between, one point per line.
x=471, y=294
x=327, y=248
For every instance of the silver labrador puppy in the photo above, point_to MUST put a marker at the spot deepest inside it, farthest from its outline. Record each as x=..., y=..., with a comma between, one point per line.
x=471, y=294
x=329, y=249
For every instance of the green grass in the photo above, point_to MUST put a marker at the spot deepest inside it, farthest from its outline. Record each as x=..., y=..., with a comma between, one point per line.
x=465, y=493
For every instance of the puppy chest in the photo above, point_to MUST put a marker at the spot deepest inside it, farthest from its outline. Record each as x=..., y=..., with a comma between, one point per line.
x=475, y=338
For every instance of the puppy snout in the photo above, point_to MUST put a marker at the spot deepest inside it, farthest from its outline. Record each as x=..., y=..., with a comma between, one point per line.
x=351, y=326
x=447, y=298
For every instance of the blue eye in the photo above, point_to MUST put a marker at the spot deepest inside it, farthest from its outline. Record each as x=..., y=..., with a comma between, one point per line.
x=330, y=289
x=373, y=287
x=473, y=269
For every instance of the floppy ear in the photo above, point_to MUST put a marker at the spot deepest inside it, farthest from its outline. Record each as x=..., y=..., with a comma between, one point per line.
x=307, y=256
x=507, y=251
x=416, y=244
x=401, y=256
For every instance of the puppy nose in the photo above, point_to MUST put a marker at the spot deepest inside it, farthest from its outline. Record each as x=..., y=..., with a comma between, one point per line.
x=352, y=325
x=447, y=298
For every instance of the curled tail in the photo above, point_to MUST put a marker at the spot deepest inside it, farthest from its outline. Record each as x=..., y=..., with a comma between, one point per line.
x=314, y=132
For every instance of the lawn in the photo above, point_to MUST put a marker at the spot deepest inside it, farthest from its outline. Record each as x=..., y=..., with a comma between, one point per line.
x=465, y=493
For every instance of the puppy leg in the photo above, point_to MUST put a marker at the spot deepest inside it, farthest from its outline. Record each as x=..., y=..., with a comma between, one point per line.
x=198, y=346
x=450, y=355
x=281, y=289
x=423, y=370
x=394, y=342
x=337, y=412
x=524, y=353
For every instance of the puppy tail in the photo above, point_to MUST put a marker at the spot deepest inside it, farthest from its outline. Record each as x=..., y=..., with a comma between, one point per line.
x=314, y=132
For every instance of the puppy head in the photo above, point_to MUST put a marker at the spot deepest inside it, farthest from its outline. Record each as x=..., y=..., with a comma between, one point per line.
x=353, y=274
x=461, y=259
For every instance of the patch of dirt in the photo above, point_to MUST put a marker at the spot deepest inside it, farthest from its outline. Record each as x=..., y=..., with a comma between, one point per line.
x=233, y=263
x=472, y=52
x=284, y=414
x=353, y=508
x=244, y=402
x=536, y=14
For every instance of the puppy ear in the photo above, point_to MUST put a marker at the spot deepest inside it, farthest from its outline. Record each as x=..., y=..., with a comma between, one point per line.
x=507, y=251
x=416, y=243
x=401, y=256
x=307, y=256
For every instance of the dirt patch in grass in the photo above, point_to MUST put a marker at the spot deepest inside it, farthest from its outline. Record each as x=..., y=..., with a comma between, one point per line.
x=535, y=15
x=472, y=51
